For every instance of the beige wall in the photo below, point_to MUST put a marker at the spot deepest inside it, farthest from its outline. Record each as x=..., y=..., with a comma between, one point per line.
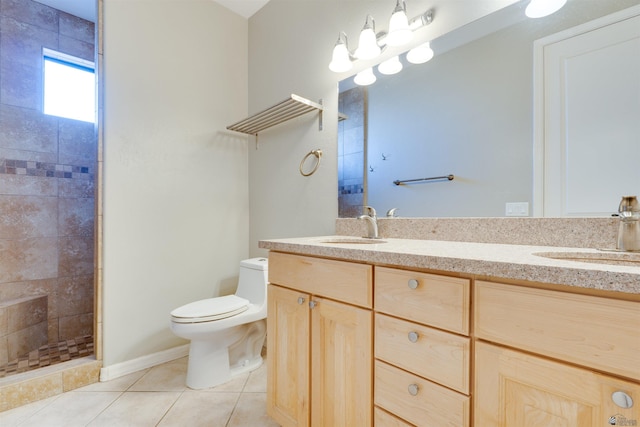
x=175, y=181
x=290, y=44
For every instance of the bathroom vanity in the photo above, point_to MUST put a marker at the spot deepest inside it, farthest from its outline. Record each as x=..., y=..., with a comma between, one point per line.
x=409, y=332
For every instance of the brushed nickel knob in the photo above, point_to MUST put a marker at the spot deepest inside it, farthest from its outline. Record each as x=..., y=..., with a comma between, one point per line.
x=622, y=399
x=301, y=300
x=413, y=336
x=412, y=283
x=413, y=389
x=312, y=304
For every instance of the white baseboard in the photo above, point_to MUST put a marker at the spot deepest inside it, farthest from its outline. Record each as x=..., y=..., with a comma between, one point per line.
x=130, y=366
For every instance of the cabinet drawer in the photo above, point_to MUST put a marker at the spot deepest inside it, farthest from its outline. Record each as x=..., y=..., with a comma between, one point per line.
x=431, y=299
x=340, y=280
x=436, y=355
x=385, y=419
x=597, y=332
x=429, y=405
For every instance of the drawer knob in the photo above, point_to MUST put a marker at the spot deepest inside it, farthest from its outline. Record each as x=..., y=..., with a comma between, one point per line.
x=313, y=304
x=413, y=336
x=300, y=300
x=413, y=284
x=413, y=389
x=622, y=399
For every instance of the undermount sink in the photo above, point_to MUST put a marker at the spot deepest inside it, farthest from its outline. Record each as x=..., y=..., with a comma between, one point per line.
x=613, y=258
x=353, y=240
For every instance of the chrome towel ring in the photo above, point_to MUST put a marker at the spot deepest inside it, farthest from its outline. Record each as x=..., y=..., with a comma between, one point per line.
x=318, y=155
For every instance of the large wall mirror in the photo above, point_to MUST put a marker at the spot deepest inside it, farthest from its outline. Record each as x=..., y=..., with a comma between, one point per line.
x=469, y=112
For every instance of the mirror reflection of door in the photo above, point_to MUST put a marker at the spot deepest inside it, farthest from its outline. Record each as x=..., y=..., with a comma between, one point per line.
x=591, y=127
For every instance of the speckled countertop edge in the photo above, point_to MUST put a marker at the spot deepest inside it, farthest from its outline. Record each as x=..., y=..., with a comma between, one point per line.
x=516, y=262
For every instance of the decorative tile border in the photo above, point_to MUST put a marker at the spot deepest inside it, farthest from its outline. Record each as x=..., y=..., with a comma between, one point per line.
x=44, y=169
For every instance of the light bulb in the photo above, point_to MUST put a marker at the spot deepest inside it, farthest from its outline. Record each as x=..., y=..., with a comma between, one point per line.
x=399, y=32
x=365, y=77
x=390, y=66
x=340, y=60
x=540, y=8
x=420, y=54
x=368, y=44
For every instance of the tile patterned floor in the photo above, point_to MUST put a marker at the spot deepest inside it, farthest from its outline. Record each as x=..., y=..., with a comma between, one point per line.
x=153, y=397
x=48, y=355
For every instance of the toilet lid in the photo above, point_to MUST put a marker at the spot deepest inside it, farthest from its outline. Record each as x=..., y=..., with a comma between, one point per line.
x=210, y=309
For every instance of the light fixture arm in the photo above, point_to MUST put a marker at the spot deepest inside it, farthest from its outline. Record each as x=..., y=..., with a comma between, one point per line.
x=421, y=20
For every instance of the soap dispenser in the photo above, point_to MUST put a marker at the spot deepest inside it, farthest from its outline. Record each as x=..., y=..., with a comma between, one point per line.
x=629, y=229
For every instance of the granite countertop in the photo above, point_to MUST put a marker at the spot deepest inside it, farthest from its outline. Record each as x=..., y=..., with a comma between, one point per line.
x=516, y=262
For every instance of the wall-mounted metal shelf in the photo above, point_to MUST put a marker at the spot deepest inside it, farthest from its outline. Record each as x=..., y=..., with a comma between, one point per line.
x=288, y=109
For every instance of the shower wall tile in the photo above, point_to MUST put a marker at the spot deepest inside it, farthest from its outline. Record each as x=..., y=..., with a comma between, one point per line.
x=76, y=326
x=75, y=217
x=83, y=188
x=77, y=28
x=28, y=259
x=53, y=330
x=75, y=295
x=28, y=216
x=77, y=143
x=4, y=350
x=31, y=13
x=23, y=42
x=27, y=130
x=75, y=256
x=76, y=48
x=16, y=85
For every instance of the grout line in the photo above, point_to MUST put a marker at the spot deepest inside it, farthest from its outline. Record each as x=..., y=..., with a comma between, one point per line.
x=233, y=411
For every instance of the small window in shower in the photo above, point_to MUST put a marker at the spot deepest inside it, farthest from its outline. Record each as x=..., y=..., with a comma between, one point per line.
x=69, y=86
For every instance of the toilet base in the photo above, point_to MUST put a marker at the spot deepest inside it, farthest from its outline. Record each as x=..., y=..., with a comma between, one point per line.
x=211, y=364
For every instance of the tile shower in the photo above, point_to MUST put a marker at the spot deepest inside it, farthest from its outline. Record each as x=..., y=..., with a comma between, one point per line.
x=352, y=104
x=47, y=170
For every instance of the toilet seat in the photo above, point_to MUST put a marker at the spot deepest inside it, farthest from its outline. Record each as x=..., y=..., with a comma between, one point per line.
x=210, y=309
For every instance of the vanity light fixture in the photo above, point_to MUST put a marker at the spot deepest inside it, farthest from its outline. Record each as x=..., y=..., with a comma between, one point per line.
x=365, y=77
x=390, y=66
x=420, y=54
x=341, y=58
x=368, y=43
x=540, y=8
x=399, y=32
x=371, y=44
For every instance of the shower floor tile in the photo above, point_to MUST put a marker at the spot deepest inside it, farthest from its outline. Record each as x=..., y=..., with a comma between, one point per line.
x=48, y=355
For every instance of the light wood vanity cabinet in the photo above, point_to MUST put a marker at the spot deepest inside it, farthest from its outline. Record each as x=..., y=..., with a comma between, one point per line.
x=514, y=388
x=400, y=352
x=319, y=341
x=422, y=347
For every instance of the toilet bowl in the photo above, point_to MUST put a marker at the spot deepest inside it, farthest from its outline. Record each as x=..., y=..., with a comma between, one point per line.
x=227, y=333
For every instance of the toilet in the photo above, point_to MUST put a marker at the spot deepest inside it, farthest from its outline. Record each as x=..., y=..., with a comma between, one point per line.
x=227, y=333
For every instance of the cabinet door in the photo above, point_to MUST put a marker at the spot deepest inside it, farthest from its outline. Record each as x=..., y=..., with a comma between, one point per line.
x=516, y=389
x=341, y=364
x=288, y=359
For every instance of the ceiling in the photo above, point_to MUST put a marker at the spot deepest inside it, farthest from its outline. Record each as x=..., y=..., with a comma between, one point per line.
x=86, y=9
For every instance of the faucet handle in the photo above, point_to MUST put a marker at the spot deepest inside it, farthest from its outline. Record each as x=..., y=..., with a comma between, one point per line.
x=369, y=210
x=391, y=213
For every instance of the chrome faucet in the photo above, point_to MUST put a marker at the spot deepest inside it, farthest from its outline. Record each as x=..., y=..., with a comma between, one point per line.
x=391, y=213
x=629, y=229
x=372, y=222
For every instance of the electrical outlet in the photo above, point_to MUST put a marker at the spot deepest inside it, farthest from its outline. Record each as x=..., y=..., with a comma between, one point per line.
x=517, y=209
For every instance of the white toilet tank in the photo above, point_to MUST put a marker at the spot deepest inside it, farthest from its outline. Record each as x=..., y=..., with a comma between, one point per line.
x=252, y=283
